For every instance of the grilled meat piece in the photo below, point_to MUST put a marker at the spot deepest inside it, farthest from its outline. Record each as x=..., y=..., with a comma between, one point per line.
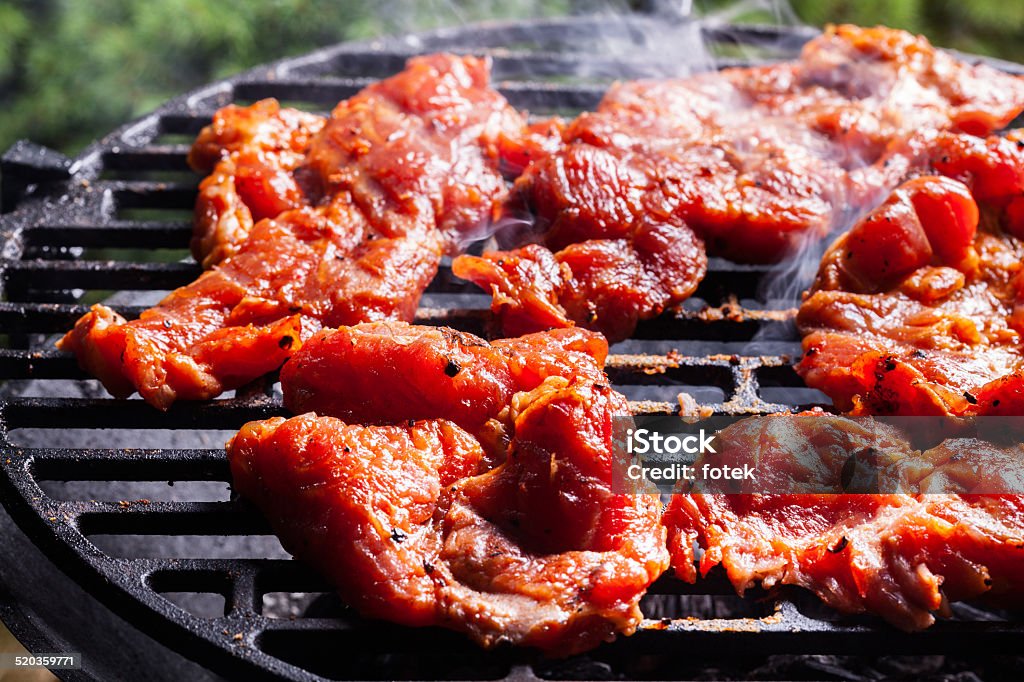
x=358, y=502
x=246, y=316
x=411, y=522
x=386, y=372
x=547, y=524
x=750, y=162
x=603, y=284
x=250, y=155
x=752, y=159
x=901, y=556
x=264, y=127
x=917, y=309
x=913, y=312
x=396, y=173
x=417, y=151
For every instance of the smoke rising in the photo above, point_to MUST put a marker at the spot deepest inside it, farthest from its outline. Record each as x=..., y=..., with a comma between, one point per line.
x=678, y=39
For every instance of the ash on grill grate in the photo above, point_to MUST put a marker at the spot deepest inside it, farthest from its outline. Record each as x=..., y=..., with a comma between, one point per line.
x=135, y=505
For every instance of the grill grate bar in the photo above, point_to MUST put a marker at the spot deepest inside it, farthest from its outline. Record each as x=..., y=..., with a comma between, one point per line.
x=25, y=364
x=324, y=92
x=684, y=326
x=192, y=579
x=184, y=123
x=74, y=274
x=244, y=598
x=100, y=413
x=171, y=157
x=275, y=575
x=125, y=464
x=125, y=234
x=149, y=194
x=163, y=518
x=46, y=318
x=740, y=283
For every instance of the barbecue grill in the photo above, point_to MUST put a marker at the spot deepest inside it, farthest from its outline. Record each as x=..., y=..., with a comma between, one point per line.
x=86, y=476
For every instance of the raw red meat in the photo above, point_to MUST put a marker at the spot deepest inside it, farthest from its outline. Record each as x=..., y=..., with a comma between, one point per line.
x=917, y=310
x=386, y=372
x=901, y=556
x=750, y=162
x=411, y=522
x=395, y=176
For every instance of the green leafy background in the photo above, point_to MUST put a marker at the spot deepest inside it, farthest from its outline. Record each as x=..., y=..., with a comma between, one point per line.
x=72, y=70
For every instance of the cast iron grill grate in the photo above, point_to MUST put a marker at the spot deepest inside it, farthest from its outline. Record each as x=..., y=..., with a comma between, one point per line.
x=199, y=570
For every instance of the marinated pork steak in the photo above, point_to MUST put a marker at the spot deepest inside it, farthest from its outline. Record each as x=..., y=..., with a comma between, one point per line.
x=748, y=162
x=390, y=180
x=414, y=522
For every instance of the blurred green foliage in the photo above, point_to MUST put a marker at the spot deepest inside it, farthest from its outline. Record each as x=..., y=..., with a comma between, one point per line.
x=71, y=71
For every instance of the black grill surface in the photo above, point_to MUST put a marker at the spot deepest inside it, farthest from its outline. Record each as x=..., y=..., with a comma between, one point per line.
x=135, y=504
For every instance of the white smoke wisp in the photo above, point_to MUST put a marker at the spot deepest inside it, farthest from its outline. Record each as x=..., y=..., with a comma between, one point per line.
x=775, y=12
x=670, y=40
x=610, y=41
